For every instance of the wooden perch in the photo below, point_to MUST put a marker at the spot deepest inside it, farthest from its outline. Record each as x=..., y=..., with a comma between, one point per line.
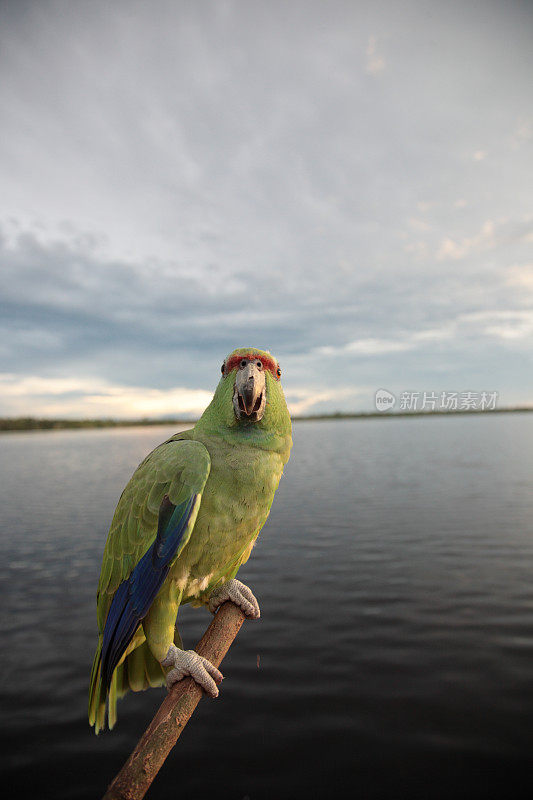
x=137, y=774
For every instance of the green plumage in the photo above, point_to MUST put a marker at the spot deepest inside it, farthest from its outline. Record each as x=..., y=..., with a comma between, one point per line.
x=233, y=466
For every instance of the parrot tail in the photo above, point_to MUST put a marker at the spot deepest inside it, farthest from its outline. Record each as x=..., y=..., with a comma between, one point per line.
x=139, y=670
x=97, y=693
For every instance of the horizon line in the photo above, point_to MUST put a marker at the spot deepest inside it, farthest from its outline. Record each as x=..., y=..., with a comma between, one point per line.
x=29, y=423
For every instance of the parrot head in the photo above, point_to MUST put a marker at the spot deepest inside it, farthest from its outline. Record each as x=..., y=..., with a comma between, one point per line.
x=249, y=396
x=249, y=368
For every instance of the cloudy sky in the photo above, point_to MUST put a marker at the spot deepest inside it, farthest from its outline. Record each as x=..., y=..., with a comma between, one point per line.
x=347, y=184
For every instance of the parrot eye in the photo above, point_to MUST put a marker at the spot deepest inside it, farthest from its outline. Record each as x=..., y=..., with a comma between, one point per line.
x=222, y=367
x=278, y=372
x=259, y=364
x=243, y=363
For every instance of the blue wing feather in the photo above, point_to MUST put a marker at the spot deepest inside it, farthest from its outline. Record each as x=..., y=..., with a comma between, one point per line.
x=134, y=596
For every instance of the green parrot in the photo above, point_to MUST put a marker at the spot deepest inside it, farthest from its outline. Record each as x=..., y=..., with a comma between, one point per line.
x=183, y=526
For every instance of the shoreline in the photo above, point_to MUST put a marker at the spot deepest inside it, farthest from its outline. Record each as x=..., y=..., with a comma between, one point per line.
x=24, y=424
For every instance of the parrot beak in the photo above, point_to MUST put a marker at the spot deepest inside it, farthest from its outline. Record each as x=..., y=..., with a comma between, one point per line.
x=249, y=396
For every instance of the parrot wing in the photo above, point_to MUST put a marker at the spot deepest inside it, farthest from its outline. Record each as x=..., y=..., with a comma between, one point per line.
x=152, y=524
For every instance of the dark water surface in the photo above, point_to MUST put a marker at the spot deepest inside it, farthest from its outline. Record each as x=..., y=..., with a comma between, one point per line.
x=395, y=648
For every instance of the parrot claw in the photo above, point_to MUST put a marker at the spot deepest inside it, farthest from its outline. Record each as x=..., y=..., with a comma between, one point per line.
x=239, y=594
x=188, y=662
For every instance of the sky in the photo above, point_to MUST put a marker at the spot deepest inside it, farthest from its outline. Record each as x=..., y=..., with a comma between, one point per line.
x=346, y=184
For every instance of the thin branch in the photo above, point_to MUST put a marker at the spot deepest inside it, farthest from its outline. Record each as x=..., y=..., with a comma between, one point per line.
x=137, y=774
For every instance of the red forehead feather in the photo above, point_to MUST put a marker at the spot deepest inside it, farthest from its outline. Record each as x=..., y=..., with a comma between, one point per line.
x=268, y=363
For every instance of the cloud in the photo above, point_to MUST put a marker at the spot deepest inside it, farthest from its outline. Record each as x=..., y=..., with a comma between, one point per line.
x=418, y=249
x=312, y=398
x=368, y=347
x=60, y=397
x=506, y=325
x=375, y=63
x=176, y=184
x=419, y=224
x=455, y=250
x=93, y=399
x=491, y=235
x=128, y=337
x=522, y=134
x=520, y=276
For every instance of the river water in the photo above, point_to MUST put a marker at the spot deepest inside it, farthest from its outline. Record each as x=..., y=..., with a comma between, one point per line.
x=394, y=655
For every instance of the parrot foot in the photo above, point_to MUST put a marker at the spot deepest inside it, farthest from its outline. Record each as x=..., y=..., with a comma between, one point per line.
x=188, y=662
x=239, y=594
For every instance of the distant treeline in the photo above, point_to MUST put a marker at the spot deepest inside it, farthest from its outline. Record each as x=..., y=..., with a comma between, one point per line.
x=38, y=424
x=395, y=414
